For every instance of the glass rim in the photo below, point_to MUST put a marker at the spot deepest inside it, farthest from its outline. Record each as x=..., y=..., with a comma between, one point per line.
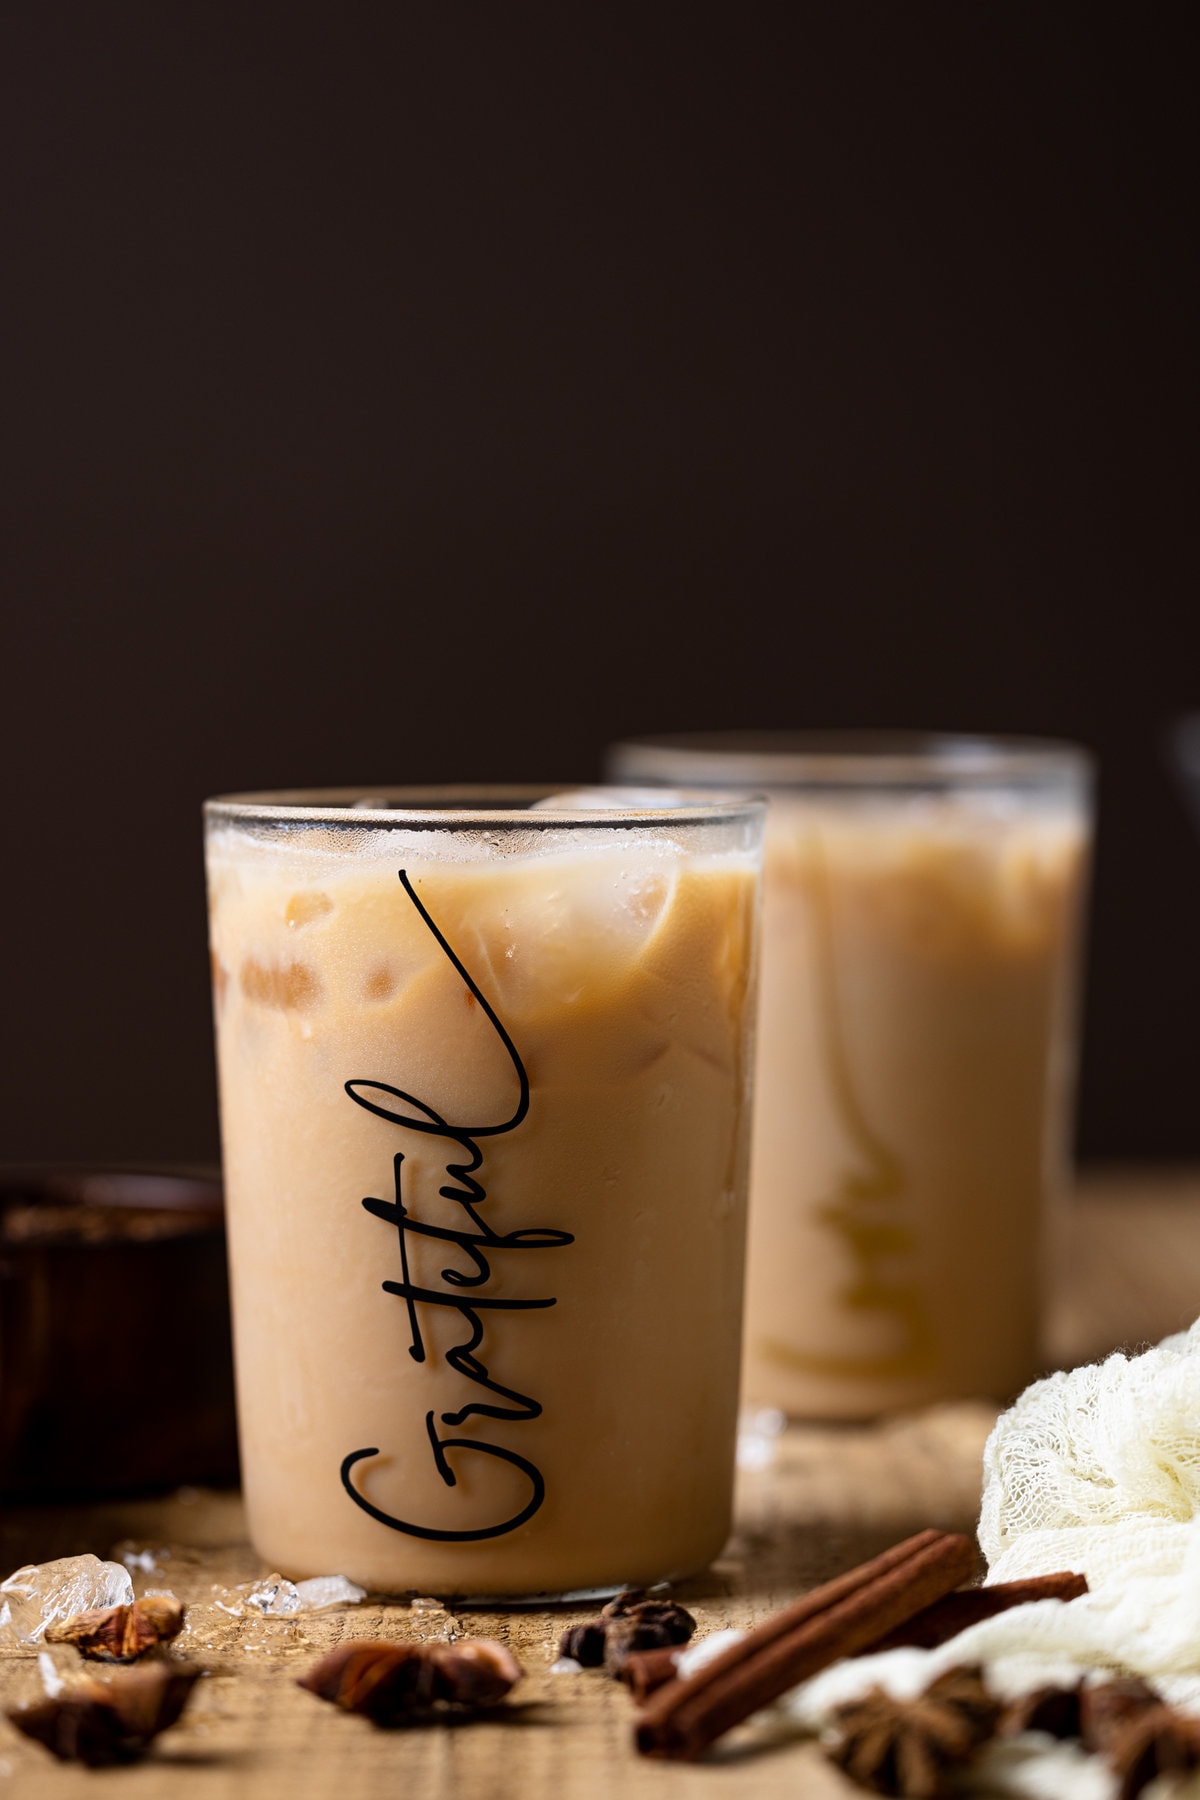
x=457, y=806
x=787, y=759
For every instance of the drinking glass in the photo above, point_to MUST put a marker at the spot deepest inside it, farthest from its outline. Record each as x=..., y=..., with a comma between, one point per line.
x=485, y=1065
x=922, y=920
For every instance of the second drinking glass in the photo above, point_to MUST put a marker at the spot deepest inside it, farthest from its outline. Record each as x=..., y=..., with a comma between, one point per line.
x=921, y=933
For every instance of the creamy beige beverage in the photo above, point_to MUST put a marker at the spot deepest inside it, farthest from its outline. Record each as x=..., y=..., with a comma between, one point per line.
x=913, y=1064
x=915, y=1051
x=484, y=1106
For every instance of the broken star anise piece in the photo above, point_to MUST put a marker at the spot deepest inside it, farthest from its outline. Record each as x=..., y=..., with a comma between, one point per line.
x=629, y=1623
x=1054, y=1710
x=474, y=1672
x=121, y=1633
x=100, y=1722
x=912, y=1747
x=393, y=1684
x=1107, y=1707
x=1155, y=1741
x=632, y=1622
x=584, y=1643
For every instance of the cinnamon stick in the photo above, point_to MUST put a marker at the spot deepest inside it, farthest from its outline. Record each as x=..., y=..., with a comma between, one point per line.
x=646, y=1670
x=837, y=1619
x=946, y=1618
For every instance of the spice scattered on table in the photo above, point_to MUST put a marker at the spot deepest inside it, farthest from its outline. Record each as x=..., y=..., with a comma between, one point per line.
x=634, y=1623
x=1052, y=1710
x=947, y=1617
x=121, y=1633
x=631, y=1623
x=397, y=1684
x=113, y=1720
x=1106, y=1708
x=645, y=1671
x=919, y=1747
x=1157, y=1741
x=837, y=1619
x=914, y=1747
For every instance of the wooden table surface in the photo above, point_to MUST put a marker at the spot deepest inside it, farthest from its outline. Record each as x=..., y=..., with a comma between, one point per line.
x=829, y=1497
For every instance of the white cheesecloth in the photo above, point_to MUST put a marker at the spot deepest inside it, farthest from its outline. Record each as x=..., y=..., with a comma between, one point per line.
x=1095, y=1469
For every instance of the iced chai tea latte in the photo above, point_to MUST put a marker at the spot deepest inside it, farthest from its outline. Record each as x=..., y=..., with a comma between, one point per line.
x=916, y=1036
x=484, y=1074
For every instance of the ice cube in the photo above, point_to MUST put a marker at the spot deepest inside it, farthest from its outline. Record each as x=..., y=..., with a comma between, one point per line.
x=290, y=987
x=380, y=983
x=38, y=1594
x=572, y=936
x=754, y=1452
x=274, y=1597
x=146, y=1559
x=320, y=1591
x=303, y=909
x=52, y=1681
x=757, y=1432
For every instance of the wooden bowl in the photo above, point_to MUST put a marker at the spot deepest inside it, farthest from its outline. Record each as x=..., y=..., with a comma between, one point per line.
x=116, y=1371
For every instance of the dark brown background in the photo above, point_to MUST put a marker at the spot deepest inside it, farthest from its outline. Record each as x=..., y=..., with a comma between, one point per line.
x=434, y=392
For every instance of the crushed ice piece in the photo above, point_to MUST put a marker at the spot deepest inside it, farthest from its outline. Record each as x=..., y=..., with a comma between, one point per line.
x=757, y=1432
x=37, y=1594
x=274, y=1596
x=565, y=1665
x=147, y=1561
x=425, y=1603
x=320, y=1591
x=698, y=1656
x=52, y=1681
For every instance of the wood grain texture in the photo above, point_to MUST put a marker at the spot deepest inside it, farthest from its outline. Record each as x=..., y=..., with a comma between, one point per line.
x=830, y=1497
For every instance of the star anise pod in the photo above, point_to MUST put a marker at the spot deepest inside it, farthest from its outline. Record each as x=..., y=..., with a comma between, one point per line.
x=121, y=1633
x=912, y=1747
x=1054, y=1710
x=111, y=1721
x=394, y=1684
x=1107, y=1707
x=1156, y=1741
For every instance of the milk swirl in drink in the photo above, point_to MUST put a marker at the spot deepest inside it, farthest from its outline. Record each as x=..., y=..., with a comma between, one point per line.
x=921, y=927
x=484, y=1102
